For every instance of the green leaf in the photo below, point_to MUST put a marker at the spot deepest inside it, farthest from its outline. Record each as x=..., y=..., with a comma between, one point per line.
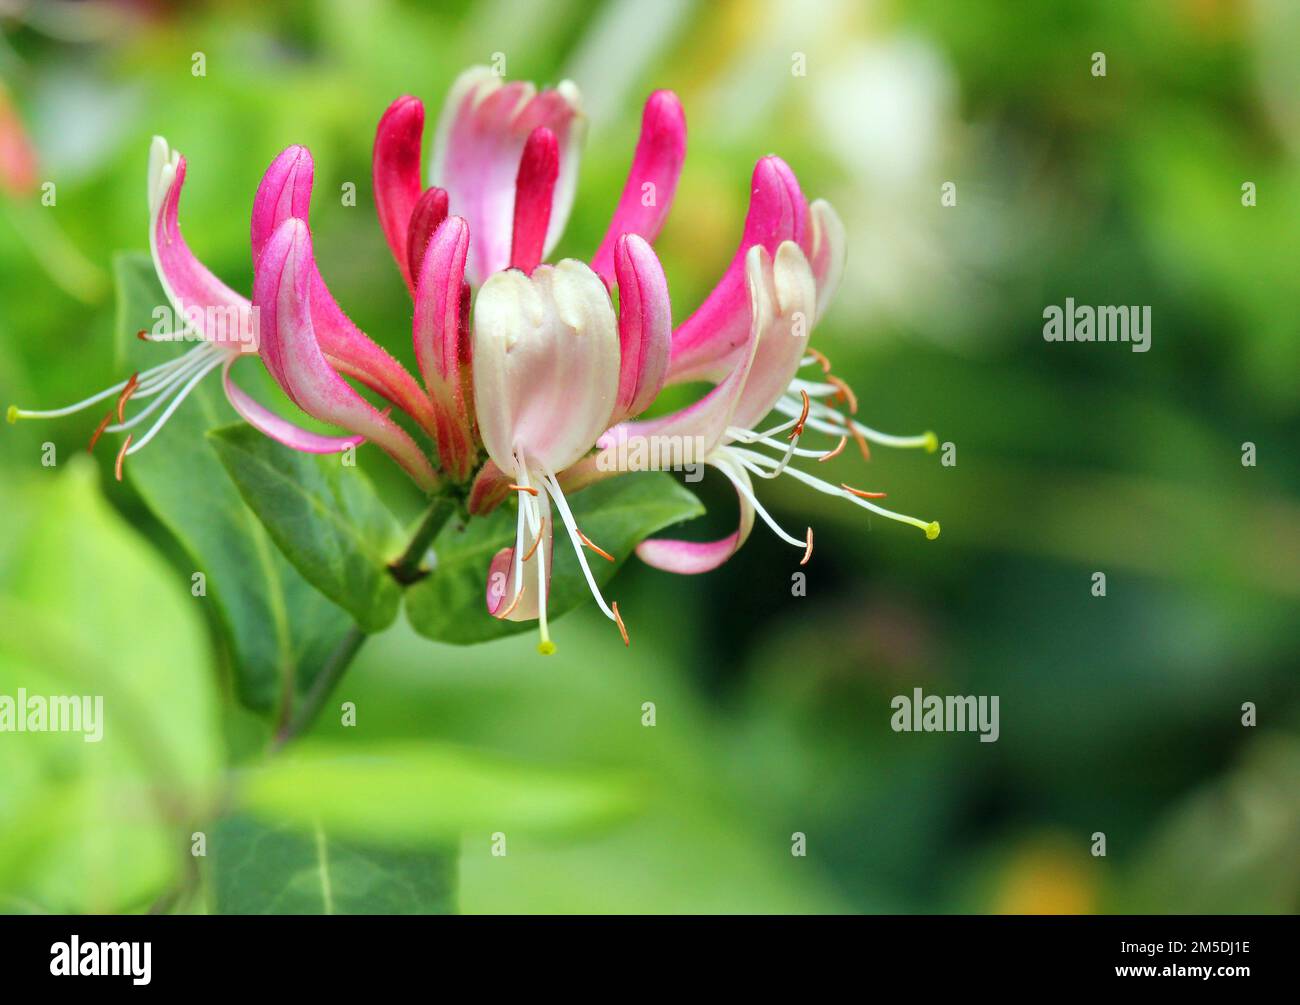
x=278, y=627
x=261, y=869
x=409, y=794
x=88, y=817
x=617, y=514
x=325, y=517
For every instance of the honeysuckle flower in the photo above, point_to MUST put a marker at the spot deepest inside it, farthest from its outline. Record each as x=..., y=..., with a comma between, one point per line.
x=704, y=345
x=783, y=293
x=225, y=325
x=552, y=365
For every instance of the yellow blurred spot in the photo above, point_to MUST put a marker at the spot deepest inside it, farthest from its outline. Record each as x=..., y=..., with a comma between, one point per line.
x=546, y=648
x=12, y=414
x=932, y=530
x=931, y=442
x=1047, y=880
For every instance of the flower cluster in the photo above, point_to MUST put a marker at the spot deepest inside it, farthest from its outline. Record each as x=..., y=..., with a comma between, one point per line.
x=531, y=380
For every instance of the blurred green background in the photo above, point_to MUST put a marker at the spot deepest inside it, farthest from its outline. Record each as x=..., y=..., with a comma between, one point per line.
x=1119, y=714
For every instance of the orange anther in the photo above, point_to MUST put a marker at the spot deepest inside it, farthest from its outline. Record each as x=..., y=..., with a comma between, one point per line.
x=618, y=618
x=99, y=431
x=522, y=488
x=821, y=359
x=121, y=456
x=845, y=393
x=593, y=546
x=797, y=431
x=126, y=393
x=839, y=447
x=862, y=493
x=861, y=441
x=807, y=554
x=534, y=547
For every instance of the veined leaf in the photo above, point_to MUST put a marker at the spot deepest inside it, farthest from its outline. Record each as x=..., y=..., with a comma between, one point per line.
x=278, y=627
x=325, y=517
x=264, y=869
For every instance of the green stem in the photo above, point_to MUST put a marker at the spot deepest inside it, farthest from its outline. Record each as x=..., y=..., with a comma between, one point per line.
x=406, y=570
x=322, y=687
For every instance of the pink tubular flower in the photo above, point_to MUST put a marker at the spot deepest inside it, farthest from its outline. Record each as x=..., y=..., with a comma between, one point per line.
x=549, y=373
x=533, y=380
x=225, y=325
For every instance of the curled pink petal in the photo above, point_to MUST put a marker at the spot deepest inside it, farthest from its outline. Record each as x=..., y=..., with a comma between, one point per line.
x=539, y=167
x=706, y=421
x=786, y=285
x=285, y=193
x=827, y=251
x=281, y=430
x=689, y=558
x=204, y=304
x=396, y=175
x=484, y=126
x=704, y=342
x=490, y=488
x=426, y=218
x=282, y=292
x=645, y=326
x=652, y=180
x=440, y=331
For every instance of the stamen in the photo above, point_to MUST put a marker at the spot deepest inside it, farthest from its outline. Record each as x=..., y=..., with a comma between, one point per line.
x=522, y=488
x=181, y=395
x=622, y=629
x=808, y=553
x=803, y=417
x=99, y=431
x=593, y=546
x=820, y=358
x=536, y=541
x=127, y=391
x=836, y=452
x=860, y=440
x=862, y=493
x=845, y=392
x=566, y=516
x=121, y=456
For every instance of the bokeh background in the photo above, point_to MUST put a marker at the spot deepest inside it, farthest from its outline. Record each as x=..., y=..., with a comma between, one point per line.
x=1119, y=714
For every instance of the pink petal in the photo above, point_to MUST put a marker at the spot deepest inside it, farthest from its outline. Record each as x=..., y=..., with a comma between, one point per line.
x=706, y=420
x=481, y=136
x=645, y=326
x=285, y=193
x=689, y=558
x=396, y=175
x=656, y=166
x=546, y=365
x=827, y=252
x=704, y=342
x=491, y=487
x=282, y=292
x=786, y=285
x=281, y=430
x=442, y=344
x=205, y=304
x=426, y=218
x=539, y=167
